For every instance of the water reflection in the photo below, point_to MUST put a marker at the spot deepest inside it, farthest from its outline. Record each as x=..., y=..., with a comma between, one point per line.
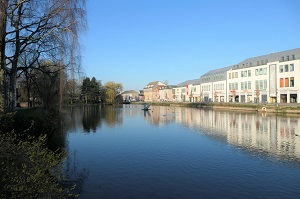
x=91, y=117
x=274, y=135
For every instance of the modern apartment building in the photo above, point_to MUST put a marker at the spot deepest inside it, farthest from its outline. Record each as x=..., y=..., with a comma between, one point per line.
x=269, y=78
x=213, y=85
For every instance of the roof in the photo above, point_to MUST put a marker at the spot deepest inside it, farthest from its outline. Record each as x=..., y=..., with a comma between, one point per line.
x=154, y=85
x=272, y=57
x=188, y=82
x=216, y=71
x=129, y=92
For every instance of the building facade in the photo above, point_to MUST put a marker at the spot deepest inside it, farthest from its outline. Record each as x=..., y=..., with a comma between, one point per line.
x=272, y=78
x=266, y=79
x=151, y=91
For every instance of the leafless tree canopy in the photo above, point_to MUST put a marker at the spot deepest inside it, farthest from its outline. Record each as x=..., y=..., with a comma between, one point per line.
x=35, y=31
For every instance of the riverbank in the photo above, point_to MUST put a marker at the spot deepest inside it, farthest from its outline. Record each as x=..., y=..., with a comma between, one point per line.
x=230, y=106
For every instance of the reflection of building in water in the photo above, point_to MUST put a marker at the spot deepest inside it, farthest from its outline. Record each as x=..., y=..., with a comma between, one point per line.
x=159, y=115
x=271, y=134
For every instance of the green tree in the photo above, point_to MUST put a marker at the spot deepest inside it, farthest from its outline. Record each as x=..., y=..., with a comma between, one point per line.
x=90, y=90
x=112, y=90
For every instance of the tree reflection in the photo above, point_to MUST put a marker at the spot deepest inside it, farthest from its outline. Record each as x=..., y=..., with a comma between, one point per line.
x=90, y=118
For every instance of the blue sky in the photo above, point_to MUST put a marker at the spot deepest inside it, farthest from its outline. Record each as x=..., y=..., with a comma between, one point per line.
x=134, y=42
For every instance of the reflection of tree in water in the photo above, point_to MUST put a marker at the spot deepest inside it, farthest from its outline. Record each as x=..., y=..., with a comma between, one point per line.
x=112, y=116
x=75, y=176
x=90, y=118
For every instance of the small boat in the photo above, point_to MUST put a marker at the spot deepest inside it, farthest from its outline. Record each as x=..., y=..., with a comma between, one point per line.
x=146, y=107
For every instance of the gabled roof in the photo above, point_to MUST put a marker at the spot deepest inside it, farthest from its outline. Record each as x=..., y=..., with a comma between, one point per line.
x=188, y=82
x=154, y=85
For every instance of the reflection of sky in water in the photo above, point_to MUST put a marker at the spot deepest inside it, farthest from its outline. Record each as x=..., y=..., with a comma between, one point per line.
x=187, y=153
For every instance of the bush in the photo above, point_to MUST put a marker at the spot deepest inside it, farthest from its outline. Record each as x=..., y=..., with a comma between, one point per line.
x=28, y=169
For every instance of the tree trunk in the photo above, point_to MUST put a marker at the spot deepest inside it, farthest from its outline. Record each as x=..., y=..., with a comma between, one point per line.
x=3, y=87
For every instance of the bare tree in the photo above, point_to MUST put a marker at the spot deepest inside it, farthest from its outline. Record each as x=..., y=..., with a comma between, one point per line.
x=47, y=29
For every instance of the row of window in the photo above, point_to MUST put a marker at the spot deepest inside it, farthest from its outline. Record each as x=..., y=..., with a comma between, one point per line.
x=233, y=75
x=286, y=68
x=261, y=84
x=286, y=82
x=219, y=87
x=234, y=86
x=206, y=88
x=246, y=85
x=246, y=73
x=287, y=58
x=261, y=71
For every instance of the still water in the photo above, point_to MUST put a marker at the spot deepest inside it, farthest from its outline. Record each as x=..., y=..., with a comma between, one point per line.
x=177, y=152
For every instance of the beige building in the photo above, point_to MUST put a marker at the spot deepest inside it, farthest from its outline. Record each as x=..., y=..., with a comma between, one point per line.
x=151, y=91
x=166, y=94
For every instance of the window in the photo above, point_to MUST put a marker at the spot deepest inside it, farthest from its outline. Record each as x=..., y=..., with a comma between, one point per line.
x=229, y=75
x=183, y=90
x=286, y=82
x=236, y=86
x=256, y=84
x=249, y=85
x=291, y=81
x=281, y=82
x=287, y=58
x=281, y=68
x=250, y=63
x=261, y=84
x=293, y=57
x=286, y=68
x=249, y=73
x=256, y=72
x=245, y=84
x=242, y=73
x=291, y=67
x=230, y=86
x=242, y=85
x=245, y=73
x=282, y=58
x=265, y=71
x=236, y=75
x=260, y=71
x=265, y=84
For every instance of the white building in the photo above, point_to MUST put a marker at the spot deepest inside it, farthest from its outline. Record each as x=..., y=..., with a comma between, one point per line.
x=214, y=86
x=188, y=91
x=266, y=79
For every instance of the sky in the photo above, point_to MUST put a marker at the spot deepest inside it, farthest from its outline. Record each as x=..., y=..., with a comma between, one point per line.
x=135, y=42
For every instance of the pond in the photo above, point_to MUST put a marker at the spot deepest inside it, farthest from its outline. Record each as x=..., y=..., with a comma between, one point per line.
x=178, y=152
